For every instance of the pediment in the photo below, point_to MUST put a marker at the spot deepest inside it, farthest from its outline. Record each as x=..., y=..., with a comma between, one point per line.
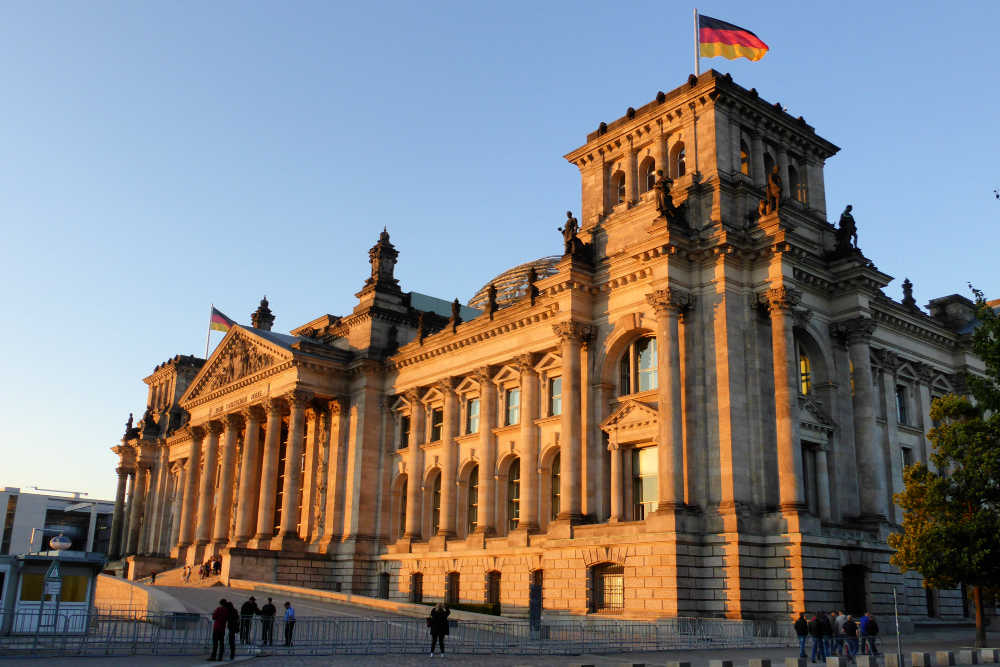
x=632, y=417
x=813, y=417
x=238, y=359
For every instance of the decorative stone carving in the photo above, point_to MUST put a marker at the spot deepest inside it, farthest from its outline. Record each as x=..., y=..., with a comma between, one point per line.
x=908, y=299
x=532, y=290
x=569, y=230
x=925, y=373
x=239, y=359
x=855, y=330
x=847, y=233
x=456, y=315
x=887, y=360
x=382, y=256
x=669, y=301
x=780, y=298
x=573, y=330
x=491, y=300
x=298, y=398
x=262, y=318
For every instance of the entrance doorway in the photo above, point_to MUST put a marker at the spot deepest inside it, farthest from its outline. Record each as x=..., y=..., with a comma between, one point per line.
x=855, y=590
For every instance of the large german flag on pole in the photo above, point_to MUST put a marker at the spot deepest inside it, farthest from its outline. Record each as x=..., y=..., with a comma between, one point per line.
x=718, y=38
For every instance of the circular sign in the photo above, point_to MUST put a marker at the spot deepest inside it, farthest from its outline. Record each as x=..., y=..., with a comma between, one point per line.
x=60, y=543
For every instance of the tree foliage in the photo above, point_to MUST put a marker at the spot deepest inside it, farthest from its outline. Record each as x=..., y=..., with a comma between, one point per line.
x=951, y=521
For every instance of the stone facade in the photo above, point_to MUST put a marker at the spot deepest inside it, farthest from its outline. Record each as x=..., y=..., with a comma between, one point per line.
x=702, y=408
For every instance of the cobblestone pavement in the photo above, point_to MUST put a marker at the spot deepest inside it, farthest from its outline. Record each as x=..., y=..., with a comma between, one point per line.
x=928, y=641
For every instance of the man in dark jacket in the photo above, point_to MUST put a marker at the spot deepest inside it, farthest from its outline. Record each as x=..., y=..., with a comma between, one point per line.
x=232, y=625
x=869, y=633
x=438, y=623
x=247, y=612
x=827, y=625
x=816, y=632
x=802, y=632
x=219, y=618
x=267, y=613
x=851, y=634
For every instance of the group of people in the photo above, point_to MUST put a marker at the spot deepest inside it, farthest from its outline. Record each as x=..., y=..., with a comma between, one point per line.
x=837, y=634
x=212, y=566
x=226, y=620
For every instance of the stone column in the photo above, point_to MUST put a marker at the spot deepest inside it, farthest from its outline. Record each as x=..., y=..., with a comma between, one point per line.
x=617, y=497
x=115, y=548
x=334, y=520
x=630, y=174
x=273, y=409
x=783, y=171
x=206, y=494
x=224, y=503
x=871, y=464
x=246, y=509
x=781, y=301
x=570, y=334
x=127, y=517
x=757, y=161
x=660, y=152
x=668, y=305
x=414, y=466
x=138, y=506
x=288, y=531
x=823, y=484
x=529, y=445
x=314, y=416
x=190, y=503
x=178, y=505
x=735, y=135
x=449, y=451
x=487, y=452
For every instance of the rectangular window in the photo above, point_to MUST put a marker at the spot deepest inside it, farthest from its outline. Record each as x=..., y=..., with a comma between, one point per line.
x=31, y=586
x=74, y=588
x=901, y=413
x=809, y=479
x=512, y=399
x=8, y=525
x=646, y=362
x=645, y=467
x=437, y=420
x=404, y=432
x=906, y=454
x=472, y=415
x=555, y=396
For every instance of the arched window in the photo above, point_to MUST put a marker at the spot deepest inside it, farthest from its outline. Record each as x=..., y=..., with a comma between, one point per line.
x=451, y=588
x=618, y=187
x=417, y=587
x=493, y=589
x=514, y=494
x=554, y=481
x=679, y=161
x=794, y=185
x=647, y=174
x=637, y=368
x=436, y=505
x=744, y=159
x=805, y=373
x=608, y=588
x=473, y=500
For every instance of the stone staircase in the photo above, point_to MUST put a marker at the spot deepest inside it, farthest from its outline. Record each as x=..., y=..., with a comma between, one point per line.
x=175, y=577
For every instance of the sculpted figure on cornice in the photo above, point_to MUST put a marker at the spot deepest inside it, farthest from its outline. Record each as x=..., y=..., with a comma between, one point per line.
x=887, y=360
x=238, y=360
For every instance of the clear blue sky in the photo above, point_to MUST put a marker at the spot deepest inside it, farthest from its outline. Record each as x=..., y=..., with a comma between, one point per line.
x=158, y=157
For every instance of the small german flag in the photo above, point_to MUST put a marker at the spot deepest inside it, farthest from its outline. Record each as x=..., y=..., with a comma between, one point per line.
x=718, y=38
x=218, y=321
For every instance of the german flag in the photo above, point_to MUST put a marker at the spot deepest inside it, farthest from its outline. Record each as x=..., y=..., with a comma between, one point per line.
x=219, y=322
x=718, y=38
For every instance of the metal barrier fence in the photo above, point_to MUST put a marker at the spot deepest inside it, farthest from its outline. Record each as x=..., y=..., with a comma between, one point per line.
x=191, y=634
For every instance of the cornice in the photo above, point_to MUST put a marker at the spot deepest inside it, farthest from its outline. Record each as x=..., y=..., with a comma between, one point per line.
x=906, y=325
x=445, y=342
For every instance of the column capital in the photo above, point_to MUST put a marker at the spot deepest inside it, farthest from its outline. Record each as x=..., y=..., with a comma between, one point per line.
x=855, y=330
x=482, y=375
x=780, y=299
x=233, y=420
x=887, y=360
x=274, y=406
x=122, y=471
x=412, y=396
x=298, y=398
x=445, y=385
x=669, y=301
x=255, y=413
x=925, y=372
x=337, y=405
x=573, y=331
x=524, y=363
x=143, y=465
x=197, y=432
x=214, y=427
x=177, y=466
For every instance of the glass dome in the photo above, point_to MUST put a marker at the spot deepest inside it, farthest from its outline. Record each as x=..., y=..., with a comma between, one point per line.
x=512, y=284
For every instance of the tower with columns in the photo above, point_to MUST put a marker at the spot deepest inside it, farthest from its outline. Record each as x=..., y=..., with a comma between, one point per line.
x=693, y=413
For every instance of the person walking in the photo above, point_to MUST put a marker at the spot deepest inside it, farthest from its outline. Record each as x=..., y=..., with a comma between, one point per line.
x=152, y=578
x=838, y=632
x=869, y=634
x=186, y=574
x=247, y=612
x=232, y=626
x=289, y=623
x=267, y=613
x=816, y=632
x=802, y=632
x=438, y=623
x=826, y=621
x=851, y=634
x=219, y=618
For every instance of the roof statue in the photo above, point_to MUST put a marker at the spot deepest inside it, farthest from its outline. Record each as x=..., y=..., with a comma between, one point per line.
x=772, y=198
x=262, y=318
x=382, y=256
x=569, y=230
x=847, y=233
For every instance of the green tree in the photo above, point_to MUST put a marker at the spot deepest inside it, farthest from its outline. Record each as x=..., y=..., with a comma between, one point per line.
x=951, y=520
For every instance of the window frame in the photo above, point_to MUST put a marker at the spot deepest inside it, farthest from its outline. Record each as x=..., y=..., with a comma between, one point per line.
x=511, y=396
x=632, y=374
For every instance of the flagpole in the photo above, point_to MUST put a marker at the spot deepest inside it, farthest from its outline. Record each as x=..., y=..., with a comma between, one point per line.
x=208, y=336
x=697, y=50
